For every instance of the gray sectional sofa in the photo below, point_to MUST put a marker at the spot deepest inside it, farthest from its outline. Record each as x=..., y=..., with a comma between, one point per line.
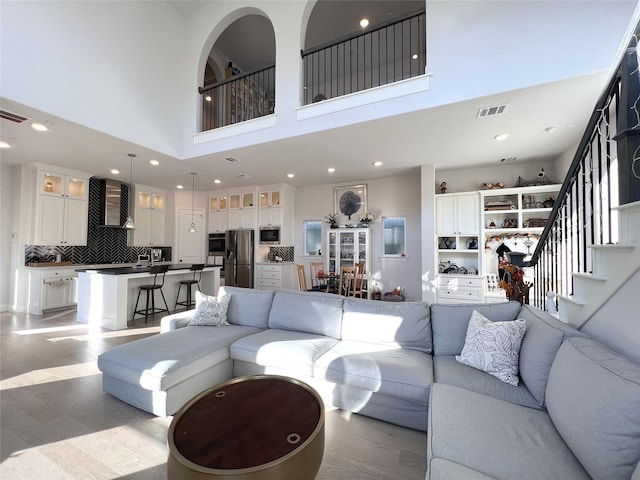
x=574, y=414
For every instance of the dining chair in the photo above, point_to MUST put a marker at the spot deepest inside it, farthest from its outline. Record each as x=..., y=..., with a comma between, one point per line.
x=347, y=280
x=358, y=286
x=317, y=282
x=302, y=278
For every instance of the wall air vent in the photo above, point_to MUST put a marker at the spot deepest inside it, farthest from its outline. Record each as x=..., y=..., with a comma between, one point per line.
x=231, y=160
x=12, y=117
x=492, y=111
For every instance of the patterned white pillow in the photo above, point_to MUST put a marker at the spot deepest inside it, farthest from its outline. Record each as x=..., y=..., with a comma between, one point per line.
x=210, y=310
x=493, y=347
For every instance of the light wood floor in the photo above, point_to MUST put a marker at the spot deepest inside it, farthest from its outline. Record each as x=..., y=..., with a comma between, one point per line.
x=56, y=423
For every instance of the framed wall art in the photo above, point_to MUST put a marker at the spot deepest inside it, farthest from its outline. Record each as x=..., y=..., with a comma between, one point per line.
x=351, y=201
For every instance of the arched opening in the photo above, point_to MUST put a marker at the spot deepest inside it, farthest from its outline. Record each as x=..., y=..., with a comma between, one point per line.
x=343, y=56
x=239, y=75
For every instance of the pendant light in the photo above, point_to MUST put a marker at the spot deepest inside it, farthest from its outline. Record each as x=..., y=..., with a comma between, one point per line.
x=192, y=228
x=129, y=225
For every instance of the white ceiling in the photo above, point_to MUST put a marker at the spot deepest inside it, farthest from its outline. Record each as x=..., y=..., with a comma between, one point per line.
x=402, y=142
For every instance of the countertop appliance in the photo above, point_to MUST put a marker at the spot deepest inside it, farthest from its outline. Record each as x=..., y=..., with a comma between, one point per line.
x=239, y=260
x=269, y=235
x=156, y=255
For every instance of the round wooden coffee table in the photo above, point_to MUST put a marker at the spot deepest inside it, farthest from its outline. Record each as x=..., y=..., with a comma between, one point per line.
x=258, y=427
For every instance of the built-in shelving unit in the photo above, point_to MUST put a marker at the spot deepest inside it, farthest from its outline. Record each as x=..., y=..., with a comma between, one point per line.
x=515, y=218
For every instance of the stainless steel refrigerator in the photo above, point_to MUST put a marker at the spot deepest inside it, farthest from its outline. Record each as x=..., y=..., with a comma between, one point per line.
x=238, y=263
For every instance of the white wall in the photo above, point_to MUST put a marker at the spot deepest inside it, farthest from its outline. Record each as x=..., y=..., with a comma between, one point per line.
x=131, y=69
x=394, y=196
x=115, y=67
x=470, y=179
x=7, y=193
x=457, y=44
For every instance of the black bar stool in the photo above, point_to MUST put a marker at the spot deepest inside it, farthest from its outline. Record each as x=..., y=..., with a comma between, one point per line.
x=196, y=268
x=158, y=270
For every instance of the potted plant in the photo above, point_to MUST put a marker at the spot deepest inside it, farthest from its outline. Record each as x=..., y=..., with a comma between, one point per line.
x=332, y=220
x=366, y=218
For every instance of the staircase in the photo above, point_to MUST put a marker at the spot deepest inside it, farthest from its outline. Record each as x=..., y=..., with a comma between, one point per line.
x=612, y=266
x=590, y=245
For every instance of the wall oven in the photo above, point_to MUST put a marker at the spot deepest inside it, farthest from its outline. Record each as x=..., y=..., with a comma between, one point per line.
x=217, y=244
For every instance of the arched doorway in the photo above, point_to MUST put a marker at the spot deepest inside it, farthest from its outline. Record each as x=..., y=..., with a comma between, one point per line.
x=239, y=76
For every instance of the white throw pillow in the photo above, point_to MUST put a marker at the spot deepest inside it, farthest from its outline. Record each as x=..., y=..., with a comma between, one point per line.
x=210, y=310
x=493, y=347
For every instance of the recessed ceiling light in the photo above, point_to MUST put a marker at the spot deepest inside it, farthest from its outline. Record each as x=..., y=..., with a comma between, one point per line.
x=179, y=187
x=377, y=163
x=4, y=145
x=550, y=129
x=115, y=171
x=217, y=180
x=154, y=162
x=414, y=56
x=208, y=98
x=501, y=137
x=290, y=175
x=364, y=23
x=40, y=127
x=331, y=169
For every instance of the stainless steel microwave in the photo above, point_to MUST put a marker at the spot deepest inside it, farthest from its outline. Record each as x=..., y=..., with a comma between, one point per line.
x=269, y=235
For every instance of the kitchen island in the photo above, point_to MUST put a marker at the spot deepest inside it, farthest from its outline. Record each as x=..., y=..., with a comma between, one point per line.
x=107, y=296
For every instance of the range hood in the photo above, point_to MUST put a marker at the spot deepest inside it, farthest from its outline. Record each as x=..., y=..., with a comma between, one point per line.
x=110, y=203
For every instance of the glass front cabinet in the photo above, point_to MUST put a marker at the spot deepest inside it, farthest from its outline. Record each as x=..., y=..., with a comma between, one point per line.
x=347, y=246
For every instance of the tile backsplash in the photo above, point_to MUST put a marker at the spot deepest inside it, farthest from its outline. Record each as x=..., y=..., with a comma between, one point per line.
x=286, y=253
x=104, y=244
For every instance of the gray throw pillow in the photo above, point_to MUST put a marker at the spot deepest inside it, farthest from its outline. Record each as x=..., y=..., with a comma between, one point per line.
x=493, y=347
x=210, y=310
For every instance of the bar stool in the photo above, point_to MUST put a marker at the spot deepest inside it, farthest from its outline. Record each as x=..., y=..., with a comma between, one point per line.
x=196, y=268
x=158, y=270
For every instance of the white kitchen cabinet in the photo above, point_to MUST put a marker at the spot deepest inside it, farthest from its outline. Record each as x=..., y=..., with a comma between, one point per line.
x=150, y=216
x=346, y=247
x=242, y=210
x=61, y=207
x=275, y=208
x=218, y=213
x=273, y=276
x=51, y=288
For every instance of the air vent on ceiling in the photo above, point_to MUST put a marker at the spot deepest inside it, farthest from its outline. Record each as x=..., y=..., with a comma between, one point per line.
x=492, y=111
x=231, y=160
x=243, y=175
x=508, y=159
x=12, y=117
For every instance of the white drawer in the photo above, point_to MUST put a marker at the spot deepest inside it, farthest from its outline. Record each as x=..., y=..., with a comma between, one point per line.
x=267, y=268
x=460, y=282
x=265, y=282
x=471, y=294
x=268, y=274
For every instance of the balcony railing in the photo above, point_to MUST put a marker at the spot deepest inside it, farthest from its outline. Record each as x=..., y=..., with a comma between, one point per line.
x=387, y=53
x=238, y=98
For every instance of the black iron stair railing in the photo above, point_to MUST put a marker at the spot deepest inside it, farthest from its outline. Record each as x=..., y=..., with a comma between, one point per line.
x=599, y=179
